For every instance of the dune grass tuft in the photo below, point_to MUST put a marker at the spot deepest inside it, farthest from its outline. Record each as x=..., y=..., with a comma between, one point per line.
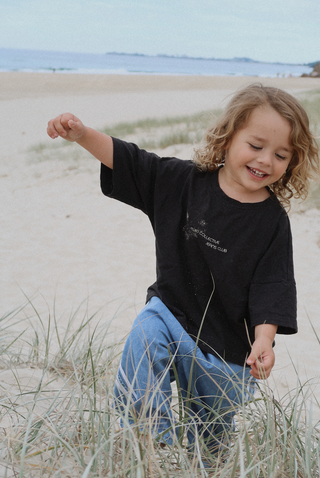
x=311, y=102
x=149, y=133
x=57, y=418
x=154, y=133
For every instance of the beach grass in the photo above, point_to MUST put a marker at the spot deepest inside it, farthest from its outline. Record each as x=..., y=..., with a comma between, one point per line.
x=153, y=133
x=311, y=102
x=58, y=419
x=149, y=133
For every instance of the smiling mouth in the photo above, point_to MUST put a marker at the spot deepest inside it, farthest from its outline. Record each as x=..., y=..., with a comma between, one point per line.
x=257, y=173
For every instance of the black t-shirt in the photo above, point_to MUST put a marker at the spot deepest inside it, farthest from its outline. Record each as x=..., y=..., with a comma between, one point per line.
x=205, y=240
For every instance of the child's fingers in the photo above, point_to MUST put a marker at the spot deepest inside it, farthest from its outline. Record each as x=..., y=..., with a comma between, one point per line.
x=259, y=371
x=51, y=130
x=55, y=128
x=59, y=125
x=261, y=359
x=261, y=368
x=75, y=125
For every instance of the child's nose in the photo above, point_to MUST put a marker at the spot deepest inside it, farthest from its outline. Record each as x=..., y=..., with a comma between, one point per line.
x=265, y=157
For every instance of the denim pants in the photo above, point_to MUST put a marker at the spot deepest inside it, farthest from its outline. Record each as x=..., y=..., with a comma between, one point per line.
x=157, y=352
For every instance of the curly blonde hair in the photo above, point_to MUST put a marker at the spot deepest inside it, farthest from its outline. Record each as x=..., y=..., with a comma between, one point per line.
x=304, y=165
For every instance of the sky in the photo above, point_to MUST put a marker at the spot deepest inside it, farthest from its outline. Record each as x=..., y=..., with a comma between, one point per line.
x=265, y=30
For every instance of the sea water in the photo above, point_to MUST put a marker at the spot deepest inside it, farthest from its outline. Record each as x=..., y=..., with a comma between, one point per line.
x=118, y=63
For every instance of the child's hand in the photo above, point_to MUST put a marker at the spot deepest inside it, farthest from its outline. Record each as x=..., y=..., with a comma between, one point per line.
x=67, y=126
x=262, y=356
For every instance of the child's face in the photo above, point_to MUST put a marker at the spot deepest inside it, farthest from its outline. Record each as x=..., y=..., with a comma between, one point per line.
x=257, y=155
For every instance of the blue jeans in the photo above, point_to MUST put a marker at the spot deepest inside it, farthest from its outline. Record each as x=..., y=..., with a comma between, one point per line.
x=157, y=352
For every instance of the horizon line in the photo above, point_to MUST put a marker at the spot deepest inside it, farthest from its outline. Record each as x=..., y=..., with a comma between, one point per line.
x=165, y=55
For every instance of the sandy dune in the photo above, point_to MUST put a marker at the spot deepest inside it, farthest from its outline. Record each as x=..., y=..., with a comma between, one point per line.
x=62, y=240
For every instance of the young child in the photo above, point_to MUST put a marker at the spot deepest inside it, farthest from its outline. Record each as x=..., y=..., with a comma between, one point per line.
x=225, y=283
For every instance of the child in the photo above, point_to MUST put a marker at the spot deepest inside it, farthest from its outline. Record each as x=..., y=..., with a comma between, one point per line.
x=225, y=282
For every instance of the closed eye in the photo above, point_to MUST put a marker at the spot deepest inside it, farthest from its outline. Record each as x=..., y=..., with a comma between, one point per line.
x=254, y=147
x=259, y=148
x=280, y=157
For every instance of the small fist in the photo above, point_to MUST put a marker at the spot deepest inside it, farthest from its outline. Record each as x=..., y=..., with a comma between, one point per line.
x=67, y=126
x=261, y=359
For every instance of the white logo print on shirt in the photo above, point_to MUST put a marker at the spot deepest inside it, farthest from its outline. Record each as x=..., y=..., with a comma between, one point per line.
x=200, y=231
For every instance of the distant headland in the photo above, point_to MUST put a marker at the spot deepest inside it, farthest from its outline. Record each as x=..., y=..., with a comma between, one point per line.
x=235, y=59
x=315, y=72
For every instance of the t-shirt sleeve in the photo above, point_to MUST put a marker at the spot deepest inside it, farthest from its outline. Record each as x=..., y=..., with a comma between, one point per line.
x=130, y=180
x=141, y=179
x=272, y=295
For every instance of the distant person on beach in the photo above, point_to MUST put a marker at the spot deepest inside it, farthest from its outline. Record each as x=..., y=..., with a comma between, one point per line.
x=225, y=281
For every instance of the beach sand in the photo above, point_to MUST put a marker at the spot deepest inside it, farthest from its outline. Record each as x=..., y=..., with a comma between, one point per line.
x=62, y=241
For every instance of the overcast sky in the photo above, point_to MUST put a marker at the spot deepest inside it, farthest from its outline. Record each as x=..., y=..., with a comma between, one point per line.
x=265, y=30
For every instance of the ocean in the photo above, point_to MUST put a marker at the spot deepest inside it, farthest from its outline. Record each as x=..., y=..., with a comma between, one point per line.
x=120, y=63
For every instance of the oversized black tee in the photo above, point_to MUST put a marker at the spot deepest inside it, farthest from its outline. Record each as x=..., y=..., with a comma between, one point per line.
x=206, y=241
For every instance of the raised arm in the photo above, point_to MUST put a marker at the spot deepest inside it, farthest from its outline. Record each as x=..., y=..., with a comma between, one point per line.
x=70, y=128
